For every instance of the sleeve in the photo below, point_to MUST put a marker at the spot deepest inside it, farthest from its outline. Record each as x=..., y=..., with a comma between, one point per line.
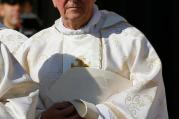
x=17, y=91
x=22, y=57
x=146, y=98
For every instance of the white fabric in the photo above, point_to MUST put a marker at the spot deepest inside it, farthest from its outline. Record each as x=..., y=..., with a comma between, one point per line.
x=95, y=87
x=85, y=109
x=105, y=112
x=17, y=99
x=12, y=39
x=115, y=46
x=99, y=85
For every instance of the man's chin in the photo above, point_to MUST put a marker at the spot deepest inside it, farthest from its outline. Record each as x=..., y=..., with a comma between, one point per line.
x=75, y=17
x=14, y=21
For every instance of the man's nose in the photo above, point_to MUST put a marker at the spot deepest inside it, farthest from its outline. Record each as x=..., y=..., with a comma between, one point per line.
x=74, y=1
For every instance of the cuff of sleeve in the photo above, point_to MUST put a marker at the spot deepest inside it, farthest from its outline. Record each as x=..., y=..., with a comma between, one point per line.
x=85, y=109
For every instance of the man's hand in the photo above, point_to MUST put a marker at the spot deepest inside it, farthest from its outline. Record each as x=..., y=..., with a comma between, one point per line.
x=63, y=110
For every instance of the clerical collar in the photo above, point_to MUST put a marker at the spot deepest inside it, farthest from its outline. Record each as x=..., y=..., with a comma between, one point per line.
x=86, y=29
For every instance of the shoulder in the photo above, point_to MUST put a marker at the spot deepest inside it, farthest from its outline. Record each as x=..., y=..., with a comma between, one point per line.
x=12, y=39
x=42, y=34
x=120, y=33
x=39, y=37
x=118, y=26
x=10, y=32
x=110, y=19
x=39, y=40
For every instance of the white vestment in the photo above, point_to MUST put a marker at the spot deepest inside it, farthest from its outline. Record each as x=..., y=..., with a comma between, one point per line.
x=18, y=95
x=109, y=43
x=12, y=39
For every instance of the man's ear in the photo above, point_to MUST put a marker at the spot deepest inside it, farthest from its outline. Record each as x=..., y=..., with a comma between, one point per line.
x=54, y=3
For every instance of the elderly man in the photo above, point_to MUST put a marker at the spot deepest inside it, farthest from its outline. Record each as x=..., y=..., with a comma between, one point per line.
x=87, y=37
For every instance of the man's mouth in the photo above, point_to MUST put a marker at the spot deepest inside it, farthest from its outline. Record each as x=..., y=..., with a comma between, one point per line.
x=77, y=7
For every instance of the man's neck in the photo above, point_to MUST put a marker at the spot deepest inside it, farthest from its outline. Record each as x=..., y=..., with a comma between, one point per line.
x=76, y=24
x=9, y=25
x=72, y=25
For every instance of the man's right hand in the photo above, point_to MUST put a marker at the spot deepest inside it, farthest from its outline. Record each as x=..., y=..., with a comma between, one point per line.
x=63, y=110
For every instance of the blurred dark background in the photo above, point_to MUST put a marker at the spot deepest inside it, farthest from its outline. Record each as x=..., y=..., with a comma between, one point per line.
x=157, y=19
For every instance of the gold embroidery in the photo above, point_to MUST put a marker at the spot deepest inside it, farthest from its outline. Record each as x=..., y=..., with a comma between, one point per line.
x=152, y=62
x=79, y=62
x=135, y=103
x=3, y=101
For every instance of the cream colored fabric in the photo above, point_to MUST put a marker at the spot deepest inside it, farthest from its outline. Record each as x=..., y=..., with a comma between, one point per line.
x=12, y=39
x=97, y=85
x=112, y=45
x=85, y=109
x=17, y=97
x=91, y=85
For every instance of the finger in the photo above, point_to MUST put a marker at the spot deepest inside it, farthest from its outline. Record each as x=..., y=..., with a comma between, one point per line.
x=62, y=105
x=69, y=111
x=75, y=117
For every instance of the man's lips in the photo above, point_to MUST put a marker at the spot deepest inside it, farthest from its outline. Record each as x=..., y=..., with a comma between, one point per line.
x=73, y=7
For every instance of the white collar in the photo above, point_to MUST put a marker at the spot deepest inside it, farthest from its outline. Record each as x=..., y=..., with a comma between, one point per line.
x=86, y=29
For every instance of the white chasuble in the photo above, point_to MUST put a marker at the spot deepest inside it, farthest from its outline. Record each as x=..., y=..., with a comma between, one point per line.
x=107, y=43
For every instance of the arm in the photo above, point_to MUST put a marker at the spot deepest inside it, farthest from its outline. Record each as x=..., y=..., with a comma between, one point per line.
x=16, y=86
x=146, y=98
